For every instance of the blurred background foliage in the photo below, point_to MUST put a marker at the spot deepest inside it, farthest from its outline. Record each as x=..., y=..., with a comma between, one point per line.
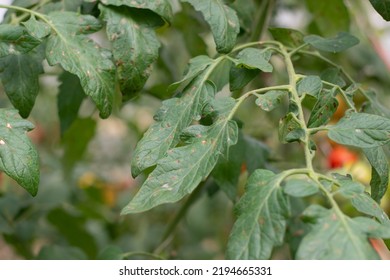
x=85, y=173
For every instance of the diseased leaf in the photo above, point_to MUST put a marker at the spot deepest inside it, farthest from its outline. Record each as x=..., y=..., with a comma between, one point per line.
x=262, y=213
x=18, y=157
x=174, y=115
x=162, y=7
x=223, y=22
x=19, y=74
x=334, y=236
x=329, y=16
x=300, y=187
x=382, y=7
x=290, y=129
x=81, y=56
x=270, y=100
x=175, y=175
x=339, y=43
x=15, y=40
x=372, y=227
x=361, y=130
x=311, y=85
x=324, y=108
x=255, y=59
x=36, y=28
x=288, y=37
x=70, y=97
x=135, y=46
x=379, y=173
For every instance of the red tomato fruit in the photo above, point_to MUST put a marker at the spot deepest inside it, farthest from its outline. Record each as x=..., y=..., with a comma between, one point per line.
x=341, y=156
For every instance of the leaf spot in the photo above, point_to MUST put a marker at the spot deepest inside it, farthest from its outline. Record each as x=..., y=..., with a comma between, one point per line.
x=2, y=142
x=9, y=125
x=165, y=186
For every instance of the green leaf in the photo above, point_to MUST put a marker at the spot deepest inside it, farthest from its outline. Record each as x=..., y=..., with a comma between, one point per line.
x=195, y=66
x=329, y=16
x=36, y=28
x=76, y=140
x=223, y=22
x=79, y=55
x=69, y=99
x=339, y=43
x=19, y=159
x=15, y=40
x=270, y=100
x=300, y=187
x=361, y=200
x=311, y=85
x=379, y=173
x=361, y=130
x=334, y=236
x=332, y=75
x=129, y=29
x=162, y=7
x=19, y=74
x=174, y=115
x=286, y=36
x=183, y=168
x=324, y=108
x=290, y=129
x=240, y=77
x=261, y=222
x=254, y=59
x=376, y=107
x=382, y=7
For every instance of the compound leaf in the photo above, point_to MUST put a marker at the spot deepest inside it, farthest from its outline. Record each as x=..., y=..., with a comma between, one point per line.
x=223, y=22
x=361, y=130
x=183, y=168
x=81, y=56
x=18, y=157
x=334, y=236
x=261, y=222
x=135, y=46
x=340, y=43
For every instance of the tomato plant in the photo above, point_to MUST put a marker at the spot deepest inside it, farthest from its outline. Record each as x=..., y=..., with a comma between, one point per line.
x=240, y=126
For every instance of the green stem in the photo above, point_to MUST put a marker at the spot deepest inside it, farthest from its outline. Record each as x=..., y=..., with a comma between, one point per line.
x=269, y=43
x=261, y=19
x=37, y=14
x=146, y=254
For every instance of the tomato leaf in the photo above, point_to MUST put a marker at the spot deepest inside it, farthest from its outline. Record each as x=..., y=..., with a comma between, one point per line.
x=361, y=130
x=223, y=22
x=262, y=212
x=334, y=236
x=379, y=173
x=18, y=157
x=15, y=40
x=300, y=187
x=270, y=100
x=79, y=55
x=339, y=43
x=324, y=108
x=289, y=37
x=382, y=7
x=19, y=74
x=252, y=58
x=175, y=175
x=36, y=28
x=311, y=85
